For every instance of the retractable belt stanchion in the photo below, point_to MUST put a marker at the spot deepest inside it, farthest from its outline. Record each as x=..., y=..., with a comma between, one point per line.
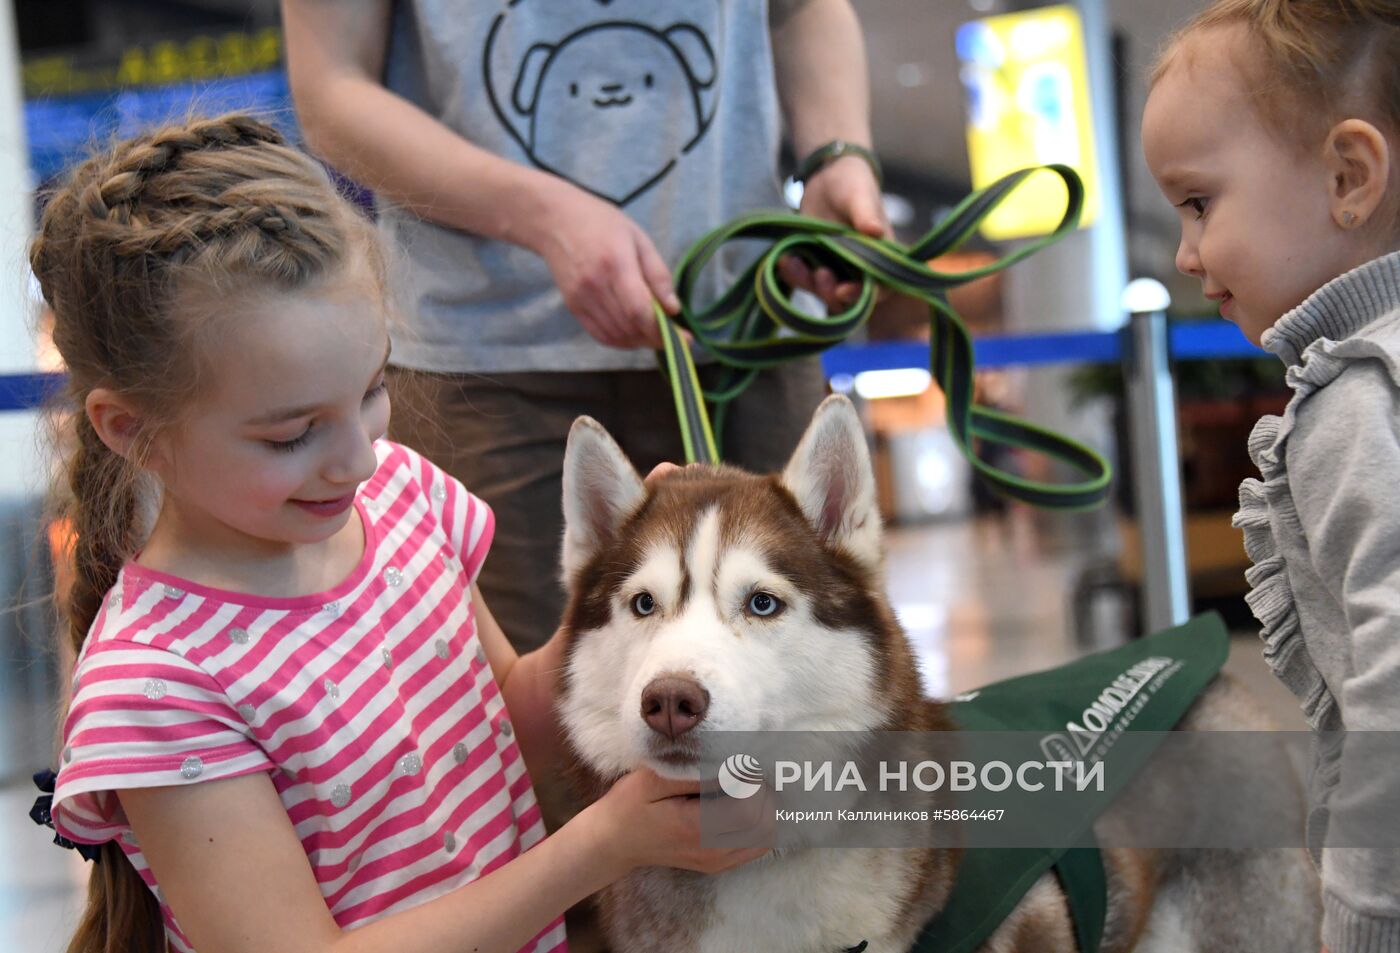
x=1156, y=464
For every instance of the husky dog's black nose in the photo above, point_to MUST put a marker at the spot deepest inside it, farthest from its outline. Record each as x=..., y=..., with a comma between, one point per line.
x=674, y=704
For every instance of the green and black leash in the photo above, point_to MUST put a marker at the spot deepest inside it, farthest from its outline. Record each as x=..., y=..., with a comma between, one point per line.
x=753, y=325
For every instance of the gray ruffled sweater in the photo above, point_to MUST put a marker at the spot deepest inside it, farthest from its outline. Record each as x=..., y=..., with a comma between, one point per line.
x=1322, y=528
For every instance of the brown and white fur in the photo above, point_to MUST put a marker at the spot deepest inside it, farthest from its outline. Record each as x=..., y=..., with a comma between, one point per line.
x=700, y=543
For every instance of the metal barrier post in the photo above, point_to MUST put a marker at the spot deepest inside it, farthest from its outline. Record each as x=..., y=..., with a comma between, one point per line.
x=1156, y=464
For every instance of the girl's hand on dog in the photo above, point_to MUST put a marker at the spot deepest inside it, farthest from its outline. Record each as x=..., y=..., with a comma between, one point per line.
x=646, y=820
x=659, y=471
x=663, y=470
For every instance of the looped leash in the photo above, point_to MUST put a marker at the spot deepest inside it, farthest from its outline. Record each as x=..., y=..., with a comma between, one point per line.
x=754, y=324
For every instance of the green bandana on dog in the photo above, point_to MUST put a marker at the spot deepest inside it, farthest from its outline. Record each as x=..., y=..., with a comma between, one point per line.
x=1162, y=674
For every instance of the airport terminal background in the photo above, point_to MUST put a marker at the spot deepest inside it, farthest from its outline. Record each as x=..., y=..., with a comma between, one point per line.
x=986, y=590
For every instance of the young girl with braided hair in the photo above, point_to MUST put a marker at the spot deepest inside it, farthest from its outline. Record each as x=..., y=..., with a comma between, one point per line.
x=294, y=725
x=1274, y=127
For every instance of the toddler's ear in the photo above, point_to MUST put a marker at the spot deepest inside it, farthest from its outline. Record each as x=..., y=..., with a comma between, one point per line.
x=1357, y=157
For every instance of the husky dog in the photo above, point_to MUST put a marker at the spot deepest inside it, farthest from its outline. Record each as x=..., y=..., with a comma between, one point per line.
x=715, y=600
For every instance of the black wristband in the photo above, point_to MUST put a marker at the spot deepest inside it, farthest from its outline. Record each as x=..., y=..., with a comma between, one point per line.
x=823, y=156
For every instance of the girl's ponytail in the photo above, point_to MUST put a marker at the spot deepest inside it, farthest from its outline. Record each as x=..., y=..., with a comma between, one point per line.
x=121, y=915
x=102, y=515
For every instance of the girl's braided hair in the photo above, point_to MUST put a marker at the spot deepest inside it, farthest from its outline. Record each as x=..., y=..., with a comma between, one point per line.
x=129, y=249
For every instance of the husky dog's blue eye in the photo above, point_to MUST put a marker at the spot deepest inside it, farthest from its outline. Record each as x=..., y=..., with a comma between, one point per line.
x=643, y=603
x=764, y=604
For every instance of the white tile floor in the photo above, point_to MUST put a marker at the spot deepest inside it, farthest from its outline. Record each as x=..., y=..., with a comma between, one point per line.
x=981, y=601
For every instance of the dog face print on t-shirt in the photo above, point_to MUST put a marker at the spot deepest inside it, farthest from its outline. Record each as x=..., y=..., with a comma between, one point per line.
x=609, y=94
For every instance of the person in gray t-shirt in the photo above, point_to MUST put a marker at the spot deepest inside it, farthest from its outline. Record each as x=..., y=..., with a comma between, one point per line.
x=539, y=164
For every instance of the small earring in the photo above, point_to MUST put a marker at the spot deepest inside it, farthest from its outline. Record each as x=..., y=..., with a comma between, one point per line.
x=1348, y=219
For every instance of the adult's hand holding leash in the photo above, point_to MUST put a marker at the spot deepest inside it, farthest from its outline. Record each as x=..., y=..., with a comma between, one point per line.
x=607, y=268
x=609, y=271
x=846, y=191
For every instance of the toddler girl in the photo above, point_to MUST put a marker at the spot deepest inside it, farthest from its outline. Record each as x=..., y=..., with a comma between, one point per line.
x=294, y=724
x=1273, y=126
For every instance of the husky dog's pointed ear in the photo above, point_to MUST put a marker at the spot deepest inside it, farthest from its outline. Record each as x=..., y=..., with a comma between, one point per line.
x=831, y=478
x=601, y=488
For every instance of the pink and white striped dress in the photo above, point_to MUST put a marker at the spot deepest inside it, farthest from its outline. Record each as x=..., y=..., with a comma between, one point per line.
x=372, y=706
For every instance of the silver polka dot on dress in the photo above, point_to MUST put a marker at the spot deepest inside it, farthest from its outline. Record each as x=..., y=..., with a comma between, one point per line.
x=439, y=492
x=68, y=755
x=393, y=575
x=238, y=636
x=129, y=838
x=480, y=655
x=341, y=795
x=332, y=607
x=247, y=712
x=409, y=765
x=446, y=559
x=332, y=689
x=154, y=689
x=506, y=728
x=388, y=658
x=174, y=592
x=442, y=649
x=459, y=752
x=192, y=767
x=449, y=842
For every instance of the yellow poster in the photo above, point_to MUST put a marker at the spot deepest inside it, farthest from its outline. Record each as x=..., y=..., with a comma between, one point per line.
x=1027, y=89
